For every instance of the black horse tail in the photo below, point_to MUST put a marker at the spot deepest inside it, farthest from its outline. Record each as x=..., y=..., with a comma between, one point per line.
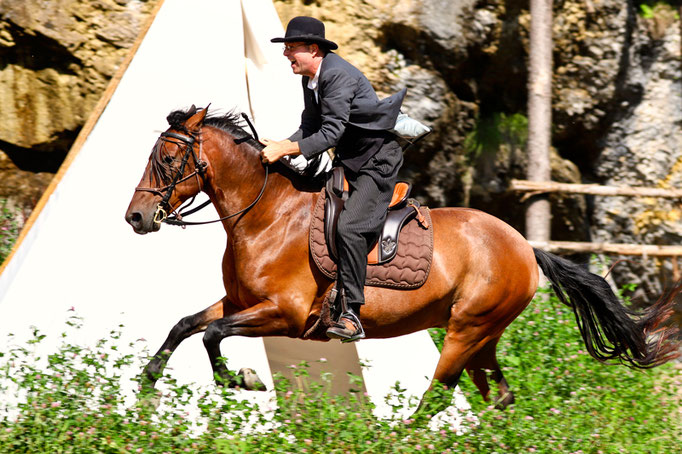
x=610, y=330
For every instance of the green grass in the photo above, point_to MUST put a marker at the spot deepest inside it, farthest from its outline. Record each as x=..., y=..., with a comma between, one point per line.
x=568, y=402
x=565, y=402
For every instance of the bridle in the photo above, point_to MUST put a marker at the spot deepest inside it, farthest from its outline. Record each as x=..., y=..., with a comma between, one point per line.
x=161, y=215
x=166, y=191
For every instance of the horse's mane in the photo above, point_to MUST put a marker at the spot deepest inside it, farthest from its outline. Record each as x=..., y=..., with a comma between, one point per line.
x=230, y=122
x=233, y=123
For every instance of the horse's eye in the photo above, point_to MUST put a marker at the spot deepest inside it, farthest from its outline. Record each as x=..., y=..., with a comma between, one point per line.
x=168, y=159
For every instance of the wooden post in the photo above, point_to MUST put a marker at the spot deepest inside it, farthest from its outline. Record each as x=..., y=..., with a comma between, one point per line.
x=676, y=268
x=538, y=213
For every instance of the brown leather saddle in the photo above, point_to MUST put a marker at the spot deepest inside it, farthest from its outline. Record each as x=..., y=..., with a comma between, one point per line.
x=401, y=257
x=401, y=210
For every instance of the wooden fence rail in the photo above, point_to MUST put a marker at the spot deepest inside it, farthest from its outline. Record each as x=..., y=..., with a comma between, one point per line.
x=608, y=248
x=540, y=187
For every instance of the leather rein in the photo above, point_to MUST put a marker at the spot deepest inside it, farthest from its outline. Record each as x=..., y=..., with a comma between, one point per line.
x=189, y=140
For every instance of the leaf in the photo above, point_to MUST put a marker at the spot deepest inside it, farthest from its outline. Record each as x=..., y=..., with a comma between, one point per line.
x=512, y=360
x=647, y=11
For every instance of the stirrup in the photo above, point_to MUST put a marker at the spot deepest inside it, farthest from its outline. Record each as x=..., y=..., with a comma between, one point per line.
x=339, y=330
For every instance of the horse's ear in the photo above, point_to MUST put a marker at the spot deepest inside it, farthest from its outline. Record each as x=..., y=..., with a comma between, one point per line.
x=196, y=120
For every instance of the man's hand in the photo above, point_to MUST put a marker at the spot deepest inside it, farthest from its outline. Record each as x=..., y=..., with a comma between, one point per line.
x=274, y=150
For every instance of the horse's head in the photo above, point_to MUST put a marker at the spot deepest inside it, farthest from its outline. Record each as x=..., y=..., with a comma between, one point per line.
x=173, y=174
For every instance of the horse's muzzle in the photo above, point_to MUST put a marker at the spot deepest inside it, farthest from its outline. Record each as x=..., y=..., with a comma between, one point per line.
x=141, y=223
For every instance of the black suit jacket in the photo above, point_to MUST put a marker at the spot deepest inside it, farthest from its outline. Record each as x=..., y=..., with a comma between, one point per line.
x=347, y=105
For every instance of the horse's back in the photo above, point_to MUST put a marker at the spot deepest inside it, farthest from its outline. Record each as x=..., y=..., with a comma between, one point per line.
x=483, y=254
x=476, y=222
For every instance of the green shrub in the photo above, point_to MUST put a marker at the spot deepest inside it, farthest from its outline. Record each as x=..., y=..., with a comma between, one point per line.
x=75, y=401
x=493, y=131
x=9, y=229
x=649, y=9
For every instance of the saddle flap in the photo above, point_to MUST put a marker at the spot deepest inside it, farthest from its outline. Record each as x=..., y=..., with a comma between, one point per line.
x=337, y=183
x=386, y=247
x=336, y=195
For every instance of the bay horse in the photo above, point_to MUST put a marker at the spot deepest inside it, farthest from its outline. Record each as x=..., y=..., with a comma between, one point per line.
x=483, y=274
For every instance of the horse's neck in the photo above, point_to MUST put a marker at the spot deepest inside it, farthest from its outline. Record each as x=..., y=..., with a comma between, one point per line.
x=238, y=177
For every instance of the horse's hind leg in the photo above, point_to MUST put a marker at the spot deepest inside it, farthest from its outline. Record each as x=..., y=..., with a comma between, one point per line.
x=458, y=347
x=186, y=327
x=483, y=364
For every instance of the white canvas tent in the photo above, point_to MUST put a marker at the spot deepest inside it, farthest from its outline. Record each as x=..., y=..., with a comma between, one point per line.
x=78, y=252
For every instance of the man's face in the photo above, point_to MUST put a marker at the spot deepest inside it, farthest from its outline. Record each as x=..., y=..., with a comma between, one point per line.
x=303, y=57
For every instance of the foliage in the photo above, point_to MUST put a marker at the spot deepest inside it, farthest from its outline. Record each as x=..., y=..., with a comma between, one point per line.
x=496, y=130
x=568, y=402
x=74, y=401
x=9, y=229
x=648, y=9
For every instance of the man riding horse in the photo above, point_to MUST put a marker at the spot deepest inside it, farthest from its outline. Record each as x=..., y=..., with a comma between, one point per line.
x=342, y=111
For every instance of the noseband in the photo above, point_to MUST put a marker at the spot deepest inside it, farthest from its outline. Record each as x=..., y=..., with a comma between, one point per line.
x=199, y=171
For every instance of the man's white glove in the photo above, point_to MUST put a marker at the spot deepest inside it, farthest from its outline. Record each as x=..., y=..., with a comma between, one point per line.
x=300, y=164
x=409, y=128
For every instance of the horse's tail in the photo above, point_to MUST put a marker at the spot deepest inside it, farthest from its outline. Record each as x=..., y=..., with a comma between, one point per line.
x=610, y=330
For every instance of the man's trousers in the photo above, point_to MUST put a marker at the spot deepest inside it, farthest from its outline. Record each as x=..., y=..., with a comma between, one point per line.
x=363, y=215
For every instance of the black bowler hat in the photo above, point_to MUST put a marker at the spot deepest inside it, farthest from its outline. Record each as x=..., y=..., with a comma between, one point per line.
x=306, y=29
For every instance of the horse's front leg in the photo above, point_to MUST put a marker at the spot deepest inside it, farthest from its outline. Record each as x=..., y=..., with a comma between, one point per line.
x=186, y=327
x=263, y=319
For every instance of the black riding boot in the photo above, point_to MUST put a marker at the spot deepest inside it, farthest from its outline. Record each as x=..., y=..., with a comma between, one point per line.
x=348, y=327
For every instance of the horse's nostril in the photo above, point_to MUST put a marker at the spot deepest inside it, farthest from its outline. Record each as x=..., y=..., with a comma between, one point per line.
x=134, y=218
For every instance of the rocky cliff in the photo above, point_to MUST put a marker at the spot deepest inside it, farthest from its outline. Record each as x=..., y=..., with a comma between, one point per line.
x=56, y=58
x=617, y=100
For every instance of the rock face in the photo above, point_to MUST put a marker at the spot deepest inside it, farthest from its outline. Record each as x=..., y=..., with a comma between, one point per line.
x=57, y=57
x=616, y=99
x=642, y=145
x=617, y=108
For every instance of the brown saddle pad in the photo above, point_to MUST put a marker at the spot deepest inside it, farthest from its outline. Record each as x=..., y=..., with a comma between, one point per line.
x=408, y=270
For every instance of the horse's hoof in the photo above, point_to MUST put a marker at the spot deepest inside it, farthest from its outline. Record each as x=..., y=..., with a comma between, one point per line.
x=506, y=400
x=251, y=380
